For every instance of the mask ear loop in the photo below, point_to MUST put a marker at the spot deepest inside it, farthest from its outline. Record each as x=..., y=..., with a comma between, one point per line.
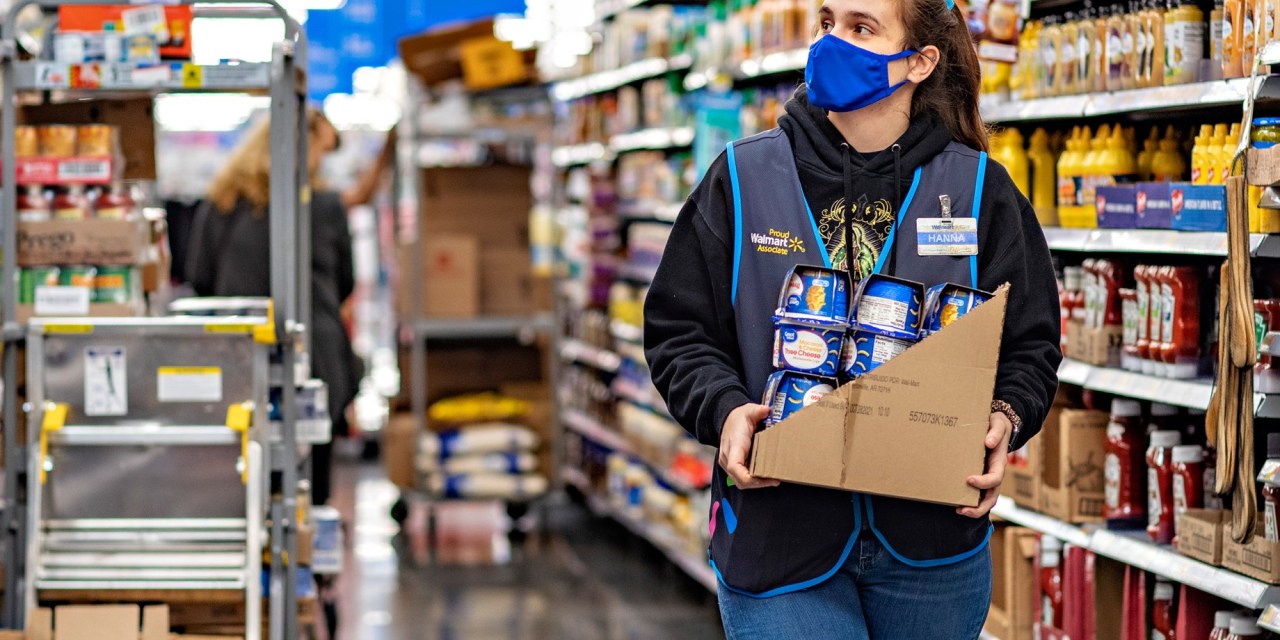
x=951, y=4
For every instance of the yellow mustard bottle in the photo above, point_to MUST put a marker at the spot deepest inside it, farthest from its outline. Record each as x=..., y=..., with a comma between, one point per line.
x=1069, y=171
x=1115, y=164
x=1213, y=157
x=1227, y=154
x=1090, y=166
x=1018, y=165
x=1043, y=179
x=1149, y=147
x=1168, y=164
x=1199, y=165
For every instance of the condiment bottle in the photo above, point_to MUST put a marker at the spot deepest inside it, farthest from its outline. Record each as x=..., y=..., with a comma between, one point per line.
x=1101, y=47
x=1050, y=46
x=1143, y=342
x=1072, y=300
x=1215, y=34
x=1091, y=286
x=1051, y=582
x=1168, y=164
x=1198, y=152
x=1160, y=485
x=113, y=203
x=1213, y=155
x=1244, y=628
x=1249, y=36
x=1091, y=167
x=1070, y=61
x=1115, y=59
x=1123, y=464
x=1086, y=37
x=1162, y=616
x=70, y=204
x=1221, y=625
x=1149, y=147
x=1180, y=340
x=1264, y=28
x=1271, y=491
x=1164, y=417
x=1111, y=278
x=1157, y=23
x=1232, y=38
x=1044, y=181
x=1227, y=153
x=32, y=206
x=1153, y=364
x=1188, y=478
x=1185, y=49
x=1129, y=359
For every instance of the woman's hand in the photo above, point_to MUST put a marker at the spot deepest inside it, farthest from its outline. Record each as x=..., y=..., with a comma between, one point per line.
x=997, y=455
x=735, y=444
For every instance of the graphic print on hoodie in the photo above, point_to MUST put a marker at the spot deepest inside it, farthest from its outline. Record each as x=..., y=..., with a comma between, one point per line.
x=872, y=222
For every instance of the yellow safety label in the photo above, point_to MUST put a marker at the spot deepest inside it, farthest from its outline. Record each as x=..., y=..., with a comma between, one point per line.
x=190, y=371
x=192, y=76
x=68, y=328
x=228, y=328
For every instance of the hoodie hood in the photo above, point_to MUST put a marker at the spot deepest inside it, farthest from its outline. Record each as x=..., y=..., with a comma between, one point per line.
x=816, y=142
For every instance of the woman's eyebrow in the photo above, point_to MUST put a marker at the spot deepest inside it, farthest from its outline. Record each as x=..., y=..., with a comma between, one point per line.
x=854, y=16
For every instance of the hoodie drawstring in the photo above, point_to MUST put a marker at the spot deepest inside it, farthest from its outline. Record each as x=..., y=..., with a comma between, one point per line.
x=897, y=209
x=849, y=254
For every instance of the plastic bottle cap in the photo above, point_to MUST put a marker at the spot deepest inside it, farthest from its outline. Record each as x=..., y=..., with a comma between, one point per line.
x=1050, y=552
x=1222, y=619
x=1163, y=410
x=1164, y=591
x=1188, y=453
x=1241, y=626
x=1125, y=408
x=1165, y=439
x=1273, y=445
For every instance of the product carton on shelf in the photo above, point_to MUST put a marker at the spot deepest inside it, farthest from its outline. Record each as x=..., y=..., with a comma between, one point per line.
x=447, y=282
x=1105, y=585
x=1200, y=534
x=133, y=115
x=1022, y=480
x=490, y=203
x=95, y=242
x=1199, y=207
x=176, y=24
x=933, y=401
x=1073, y=482
x=1013, y=553
x=1263, y=166
x=507, y=283
x=1154, y=202
x=1259, y=559
x=1117, y=207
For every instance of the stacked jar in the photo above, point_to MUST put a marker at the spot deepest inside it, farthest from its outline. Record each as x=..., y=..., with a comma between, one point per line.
x=809, y=329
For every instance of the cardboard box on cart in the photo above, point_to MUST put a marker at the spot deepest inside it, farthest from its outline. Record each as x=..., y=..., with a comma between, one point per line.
x=913, y=428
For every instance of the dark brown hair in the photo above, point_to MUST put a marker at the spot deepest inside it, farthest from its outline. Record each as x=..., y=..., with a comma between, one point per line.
x=951, y=91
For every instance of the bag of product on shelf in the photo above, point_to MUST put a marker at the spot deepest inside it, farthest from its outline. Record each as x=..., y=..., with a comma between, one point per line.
x=496, y=486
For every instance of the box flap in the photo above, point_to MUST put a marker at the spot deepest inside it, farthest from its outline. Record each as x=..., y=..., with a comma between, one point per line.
x=40, y=624
x=155, y=622
x=873, y=434
x=96, y=622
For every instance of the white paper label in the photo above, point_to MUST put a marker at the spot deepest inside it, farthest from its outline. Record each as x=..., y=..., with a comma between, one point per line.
x=808, y=351
x=62, y=301
x=1179, y=493
x=885, y=350
x=1111, y=471
x=882, y=312
x=1153, y=498
x=149, y=20
x=189, y=384
x=106, y=390
x=1269, y=529
x=947, y=236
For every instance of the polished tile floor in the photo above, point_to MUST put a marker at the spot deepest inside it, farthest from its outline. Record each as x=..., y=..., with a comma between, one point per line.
x=577, y=578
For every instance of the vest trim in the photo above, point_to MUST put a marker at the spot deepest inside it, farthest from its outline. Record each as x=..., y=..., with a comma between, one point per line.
x=888, y=243
x=813, y=224
x=977, y=209
x=801, y=586
x=923, y=564
x=737, y=220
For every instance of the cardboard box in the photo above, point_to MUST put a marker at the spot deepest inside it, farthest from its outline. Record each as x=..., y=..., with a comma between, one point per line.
x=1200, y=534
x=1106, y=578
x=1013, y=555
x=1258, y=559
x=506, y=281
x=133, y=116
x=1154, y=204
x=933, y=400
x=1199, y=207
x=77, y=242
x=1263, y=166
x=1074, y=449
x=399, y=443
x=1022, y=481
x=491, y=203
x=99, y=622
x=447, y=282
x=455, y=370
x=1117, y=207
x=98, y=18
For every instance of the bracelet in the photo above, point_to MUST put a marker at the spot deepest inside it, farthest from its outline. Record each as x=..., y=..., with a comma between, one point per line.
x=1000, y=406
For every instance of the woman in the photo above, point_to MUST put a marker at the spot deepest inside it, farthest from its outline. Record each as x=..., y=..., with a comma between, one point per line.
x=230, y=256
x=886, y=123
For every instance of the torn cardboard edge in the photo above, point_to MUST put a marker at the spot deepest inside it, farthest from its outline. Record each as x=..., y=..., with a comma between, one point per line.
x=874, y=435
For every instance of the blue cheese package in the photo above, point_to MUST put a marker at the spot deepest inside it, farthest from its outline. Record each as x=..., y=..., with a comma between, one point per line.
x=787, y=392
x=815, y=295
x=948, y=302
x=889, y=306
x=863, y=351
x=807, y=348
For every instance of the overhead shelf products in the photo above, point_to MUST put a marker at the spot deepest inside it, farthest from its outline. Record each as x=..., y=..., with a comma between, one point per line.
x=603, y=81
x=1182, y=96
x=174, y=76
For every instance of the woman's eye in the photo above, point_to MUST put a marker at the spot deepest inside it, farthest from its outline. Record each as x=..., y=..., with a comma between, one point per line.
x=863, y=30
x=827, y=25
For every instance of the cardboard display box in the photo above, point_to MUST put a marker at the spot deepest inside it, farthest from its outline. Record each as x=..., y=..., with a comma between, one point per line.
x=75, y=242
x=913, y=428
x=1074, y=450
x=507, y=285
x=447, y=282
x=491, y=203
x=1022, y=481
x=1013, y=555
x=99, y=622
x=1263, y=166
x=133, y=116
x=1200, y=534
x=1117, y=206
x=399, y=442
x=1258, y=559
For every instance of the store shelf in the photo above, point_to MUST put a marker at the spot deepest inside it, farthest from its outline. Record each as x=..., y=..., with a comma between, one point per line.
x=483, y=327
x=772, y=64
x=1270, y=619
x=1069, y=533
x=1193, y=394
x=657, y=211
x=583, y=353
x=603, y=81
x=1185, y=96
x=657, y=138
x=168, y=77
x=1154, y=241
x=588, y=428
x=663, y=538
x=637, y=273
x=1136, y=550
x=626, y=332
x=579, y=154
x=609, y=9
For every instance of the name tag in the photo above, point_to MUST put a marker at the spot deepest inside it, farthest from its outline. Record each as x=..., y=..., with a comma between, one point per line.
x=947, y=236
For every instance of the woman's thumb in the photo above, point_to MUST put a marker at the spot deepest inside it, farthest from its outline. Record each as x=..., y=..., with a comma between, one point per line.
x=759, y=412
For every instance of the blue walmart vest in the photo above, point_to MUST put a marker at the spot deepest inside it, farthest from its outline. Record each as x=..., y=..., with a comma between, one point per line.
x=767, y=542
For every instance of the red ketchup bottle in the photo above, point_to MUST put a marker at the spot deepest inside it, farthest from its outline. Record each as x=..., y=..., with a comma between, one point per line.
x=1160, y=485
x=1143, y=285
x=1155, y=362
x=1051, y=582
x=1071, y=298
x=1090, y=269
x=1123, y=466
x=1162, y=615
x=1180, y=340
x=1188, y=480
x=1129, y=359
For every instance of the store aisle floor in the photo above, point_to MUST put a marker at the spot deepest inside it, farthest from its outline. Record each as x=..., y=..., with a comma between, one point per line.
x=585, y=579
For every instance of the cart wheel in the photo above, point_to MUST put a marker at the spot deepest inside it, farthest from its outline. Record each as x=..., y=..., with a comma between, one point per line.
x=400, y=511
x=517, y=510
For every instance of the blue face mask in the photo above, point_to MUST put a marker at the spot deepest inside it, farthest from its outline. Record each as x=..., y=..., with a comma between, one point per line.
x=844, y=77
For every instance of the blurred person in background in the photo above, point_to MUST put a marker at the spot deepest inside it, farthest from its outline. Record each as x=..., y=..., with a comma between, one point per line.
x=230, y=256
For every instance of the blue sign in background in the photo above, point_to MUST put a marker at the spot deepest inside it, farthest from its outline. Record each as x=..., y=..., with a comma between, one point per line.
x=364, y=33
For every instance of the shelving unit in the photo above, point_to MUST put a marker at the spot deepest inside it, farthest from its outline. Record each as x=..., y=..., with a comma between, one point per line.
x=655, y=139
x=1135, y=550
x=583, y=353
x=1154, y=242
x=290, y=286
x=603, y=81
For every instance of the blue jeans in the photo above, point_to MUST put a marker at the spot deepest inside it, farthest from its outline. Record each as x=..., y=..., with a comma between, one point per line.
x=874, y=596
